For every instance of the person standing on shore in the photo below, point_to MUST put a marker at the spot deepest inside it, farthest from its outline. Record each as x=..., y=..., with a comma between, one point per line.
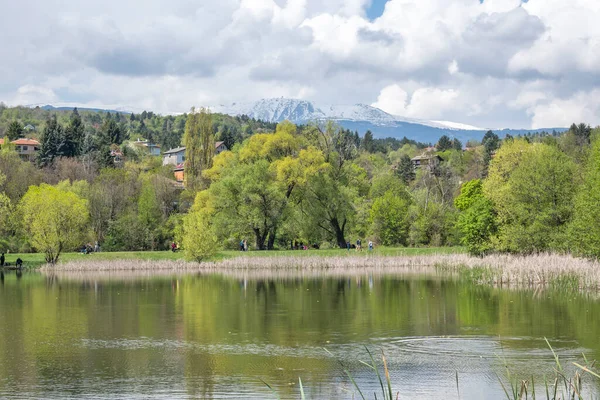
x=370, y=245
x=358, y=245
x=245, y=245
x=2, y=260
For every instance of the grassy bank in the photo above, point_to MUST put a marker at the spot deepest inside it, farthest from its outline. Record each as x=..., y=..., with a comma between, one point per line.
x=37, y=259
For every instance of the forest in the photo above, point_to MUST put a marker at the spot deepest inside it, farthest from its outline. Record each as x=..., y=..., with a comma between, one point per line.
x=281, y=184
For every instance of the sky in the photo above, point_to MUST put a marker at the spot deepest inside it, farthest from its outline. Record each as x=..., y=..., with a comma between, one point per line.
x=490, y=63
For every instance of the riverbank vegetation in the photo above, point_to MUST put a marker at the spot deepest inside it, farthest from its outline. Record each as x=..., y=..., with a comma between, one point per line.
x=289, y=187
x=542, y=271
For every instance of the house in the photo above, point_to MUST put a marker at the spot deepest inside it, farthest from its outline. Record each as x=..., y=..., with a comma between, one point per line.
x=27, y=148
x=430, y=160
x=153, y=149
x=179, y=172
x=176, y=157
x=219, y=148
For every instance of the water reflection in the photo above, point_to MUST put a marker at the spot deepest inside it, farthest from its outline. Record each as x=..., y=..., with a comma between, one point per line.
x=219, y=335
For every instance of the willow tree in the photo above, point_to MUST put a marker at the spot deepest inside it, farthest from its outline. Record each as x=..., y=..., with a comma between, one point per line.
x=199, y=142
x=55, y=220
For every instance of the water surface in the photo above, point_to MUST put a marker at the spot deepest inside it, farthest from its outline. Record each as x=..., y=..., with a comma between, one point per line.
x=214, y=336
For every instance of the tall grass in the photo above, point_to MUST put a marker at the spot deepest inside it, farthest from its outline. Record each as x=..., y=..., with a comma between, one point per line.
x=561, y=385
x=544, y=270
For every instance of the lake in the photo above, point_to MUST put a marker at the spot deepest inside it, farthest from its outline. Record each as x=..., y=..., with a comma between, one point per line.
x=226, y=336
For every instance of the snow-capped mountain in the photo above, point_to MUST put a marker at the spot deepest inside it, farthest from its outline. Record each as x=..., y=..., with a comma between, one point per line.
x=360, y=117
x=301, y=111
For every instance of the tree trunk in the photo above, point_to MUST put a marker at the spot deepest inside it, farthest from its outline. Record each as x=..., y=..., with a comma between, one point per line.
x=271, y=242
x=260, y=238
x=339, y=232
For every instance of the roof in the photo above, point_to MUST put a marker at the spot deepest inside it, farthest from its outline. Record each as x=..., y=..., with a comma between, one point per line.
x=426, y=157
x=173, y=151
x=26, y=142
x=180, y=167
x=180, y=149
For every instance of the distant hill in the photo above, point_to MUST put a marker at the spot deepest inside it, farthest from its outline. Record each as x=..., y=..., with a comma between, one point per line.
x=48, y=107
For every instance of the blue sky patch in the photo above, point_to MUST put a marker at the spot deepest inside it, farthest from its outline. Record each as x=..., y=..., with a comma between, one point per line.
x=376, y=8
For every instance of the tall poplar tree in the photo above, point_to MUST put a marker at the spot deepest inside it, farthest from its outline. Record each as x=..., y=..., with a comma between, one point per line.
x=199, y=142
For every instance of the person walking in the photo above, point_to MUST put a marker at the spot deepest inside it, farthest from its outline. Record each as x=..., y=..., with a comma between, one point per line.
x=348, y=245
x=358, y=245
x=370, y=245
x=245, y=245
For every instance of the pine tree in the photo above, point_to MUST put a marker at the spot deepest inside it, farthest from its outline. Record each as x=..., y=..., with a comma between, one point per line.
x=74, y=135
x=15, y=130
x=406, y=170
x=456, y=144
x=53, y=142
x=444, y=144
x=367, y=142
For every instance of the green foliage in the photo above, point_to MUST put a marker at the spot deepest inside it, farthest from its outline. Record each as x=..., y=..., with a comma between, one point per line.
x=15, y=130
x=74, y=135
x=405, y=169
x=199, y=238
x=584, y=231
x=55, y=220
x=389, y=212
x=531, y=187
x=444, y=144
x=367, y=142
x=199, y=145
x=52, y=142
x=476, y=221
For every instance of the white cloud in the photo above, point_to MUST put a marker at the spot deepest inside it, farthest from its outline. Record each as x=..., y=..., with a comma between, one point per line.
x=581, y=107
x=496, y=63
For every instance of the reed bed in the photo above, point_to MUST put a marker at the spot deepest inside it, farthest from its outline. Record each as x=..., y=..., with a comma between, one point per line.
x=544, y=270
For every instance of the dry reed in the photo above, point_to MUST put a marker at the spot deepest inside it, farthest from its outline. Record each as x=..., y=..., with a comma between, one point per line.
x=502, y=270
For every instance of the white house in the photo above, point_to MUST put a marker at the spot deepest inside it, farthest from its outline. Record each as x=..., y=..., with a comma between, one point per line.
x=177, y=156
x=153, y=149
x=174, y=156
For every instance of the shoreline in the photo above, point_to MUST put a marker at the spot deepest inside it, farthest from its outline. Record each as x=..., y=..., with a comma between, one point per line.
x=535, y=271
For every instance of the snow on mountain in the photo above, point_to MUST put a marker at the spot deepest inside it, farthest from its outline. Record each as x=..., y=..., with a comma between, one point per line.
x=302, y=111
x=458, y=125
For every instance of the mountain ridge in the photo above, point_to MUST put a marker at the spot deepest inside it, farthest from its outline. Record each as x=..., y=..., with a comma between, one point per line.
x=362, y=117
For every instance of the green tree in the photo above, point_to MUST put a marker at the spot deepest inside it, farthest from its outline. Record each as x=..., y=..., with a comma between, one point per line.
x=55, y=220
x=444, y=144
x=456, y=144
x=406, y=169
x=207, y=139
x=15, y=130
x=149, y=214
x=367, y=142
x=110, y=132
x=52, y=143
x=476, y=221
x=199, y=239
x=74, y=135
x=389, y=211
x=198, y=129
x=584, y=231
x=491, y=143
x=531, y=187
